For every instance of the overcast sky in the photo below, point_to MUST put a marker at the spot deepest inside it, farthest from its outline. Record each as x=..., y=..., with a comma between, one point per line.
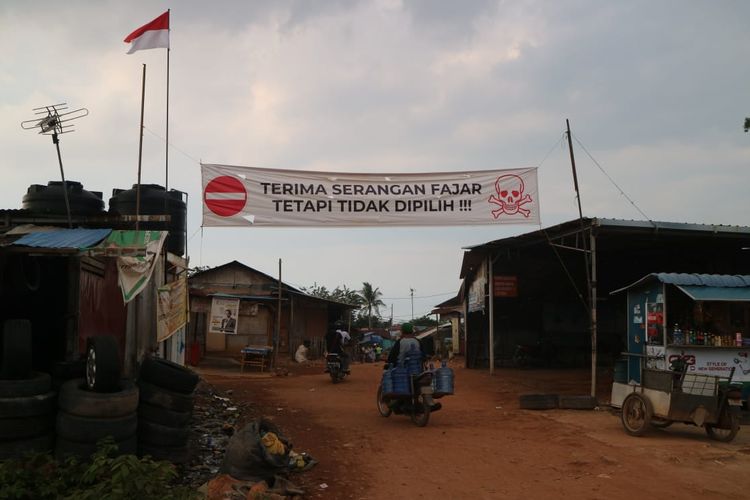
x=656, y=91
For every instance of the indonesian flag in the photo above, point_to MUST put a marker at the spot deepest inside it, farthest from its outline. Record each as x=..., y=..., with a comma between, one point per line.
x=154, y=35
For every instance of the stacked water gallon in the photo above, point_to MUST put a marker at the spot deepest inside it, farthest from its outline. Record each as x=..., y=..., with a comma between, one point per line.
x=413, y=361
x=443, y=381
x=387, y=382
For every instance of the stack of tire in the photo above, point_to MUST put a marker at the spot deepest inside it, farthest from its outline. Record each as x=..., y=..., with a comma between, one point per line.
x=27, y=403
x=99, y=406
x=165, y=409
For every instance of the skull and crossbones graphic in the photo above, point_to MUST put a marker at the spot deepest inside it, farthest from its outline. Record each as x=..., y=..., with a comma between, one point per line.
x=510, y=197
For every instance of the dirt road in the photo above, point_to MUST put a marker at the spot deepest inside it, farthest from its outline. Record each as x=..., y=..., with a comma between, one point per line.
x=482, y=446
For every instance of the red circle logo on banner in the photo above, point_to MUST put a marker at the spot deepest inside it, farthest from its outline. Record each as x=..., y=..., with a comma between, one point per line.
x=225, y=196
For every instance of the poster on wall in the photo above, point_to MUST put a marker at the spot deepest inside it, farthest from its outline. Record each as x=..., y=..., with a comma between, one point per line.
x=224, y=313
x=171, y=309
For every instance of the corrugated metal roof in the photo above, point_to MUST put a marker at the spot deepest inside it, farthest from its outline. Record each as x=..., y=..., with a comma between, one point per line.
x=685, y=281
x=622, y=224
x=63, y=238
x=714, y=280
x=730, y=294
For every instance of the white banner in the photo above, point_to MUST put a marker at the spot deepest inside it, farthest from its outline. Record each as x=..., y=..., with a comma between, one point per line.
x=243, y=196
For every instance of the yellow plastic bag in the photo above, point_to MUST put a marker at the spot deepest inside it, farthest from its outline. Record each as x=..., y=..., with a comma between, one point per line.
x=272, y=443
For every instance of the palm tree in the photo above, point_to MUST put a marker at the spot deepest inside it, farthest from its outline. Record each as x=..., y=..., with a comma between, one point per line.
x=371, y=300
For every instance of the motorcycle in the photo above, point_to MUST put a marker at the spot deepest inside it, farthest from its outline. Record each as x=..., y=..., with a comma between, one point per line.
x=539, y=354
x=418, y=405
x=335, y=368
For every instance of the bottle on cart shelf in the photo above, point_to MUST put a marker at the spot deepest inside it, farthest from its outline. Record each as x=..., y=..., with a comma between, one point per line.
x=701, y=338
x=677, y=336
x=738, y=339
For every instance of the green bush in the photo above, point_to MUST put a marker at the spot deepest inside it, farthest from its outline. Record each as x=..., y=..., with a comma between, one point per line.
x=104, y=477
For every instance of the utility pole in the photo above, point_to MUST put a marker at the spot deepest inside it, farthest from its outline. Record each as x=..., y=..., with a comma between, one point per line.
x=590, y=265
x=412, y=303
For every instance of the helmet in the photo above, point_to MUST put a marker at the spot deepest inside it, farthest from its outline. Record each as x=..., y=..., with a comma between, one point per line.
x=407, y=328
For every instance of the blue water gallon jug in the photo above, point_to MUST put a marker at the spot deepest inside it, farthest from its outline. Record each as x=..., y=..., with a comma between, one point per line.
x=387, y=382
x=401, y=381
x=413, y=361
x=443, y=381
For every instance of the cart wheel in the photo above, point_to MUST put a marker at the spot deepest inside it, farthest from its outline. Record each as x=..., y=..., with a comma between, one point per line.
x=660, y=423
x=420, y=413
x=636, y=414
x=383, y=407
x=725, y=435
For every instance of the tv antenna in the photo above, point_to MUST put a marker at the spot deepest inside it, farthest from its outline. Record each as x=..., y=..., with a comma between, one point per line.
x=55, y=120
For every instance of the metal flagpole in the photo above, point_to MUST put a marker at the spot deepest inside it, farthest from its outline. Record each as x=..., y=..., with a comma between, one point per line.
x=140, y=155
x=166, y=148
x=166, y=178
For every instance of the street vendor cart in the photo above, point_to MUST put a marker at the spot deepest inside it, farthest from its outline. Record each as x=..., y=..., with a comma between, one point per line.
x=667, y=396
x=696, y=371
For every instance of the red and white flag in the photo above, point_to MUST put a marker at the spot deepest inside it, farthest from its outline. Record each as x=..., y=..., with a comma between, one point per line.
x=154, y=35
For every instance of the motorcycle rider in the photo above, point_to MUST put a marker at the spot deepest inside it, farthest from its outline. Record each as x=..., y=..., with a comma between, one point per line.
x=401, y=348
x=406, y=344
x=336, y=339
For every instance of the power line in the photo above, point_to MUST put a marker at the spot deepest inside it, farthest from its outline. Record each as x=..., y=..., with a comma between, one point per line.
x=171, y=145
x=418, y=296
x=612, y=180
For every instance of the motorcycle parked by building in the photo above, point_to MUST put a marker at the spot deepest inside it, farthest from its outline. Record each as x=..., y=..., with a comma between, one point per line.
x=538, y=354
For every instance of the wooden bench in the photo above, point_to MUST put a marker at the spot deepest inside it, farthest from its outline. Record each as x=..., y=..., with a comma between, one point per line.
x=256, y=356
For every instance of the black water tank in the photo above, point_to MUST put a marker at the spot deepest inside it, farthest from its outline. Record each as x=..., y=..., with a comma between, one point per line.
x=50, y=200
x=153, y=199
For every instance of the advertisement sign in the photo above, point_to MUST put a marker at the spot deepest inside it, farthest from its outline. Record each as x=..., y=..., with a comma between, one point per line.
x=710, y=361
x=644, y=302
x=505, y=286
x=256, y=197
x=477, y=289
x=224, y=315
x=171, y=309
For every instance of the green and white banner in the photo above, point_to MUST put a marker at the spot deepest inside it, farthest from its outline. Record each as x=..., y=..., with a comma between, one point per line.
x=244, y=196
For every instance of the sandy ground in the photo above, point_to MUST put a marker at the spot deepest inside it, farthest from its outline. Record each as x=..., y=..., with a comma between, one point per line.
x=481, y=445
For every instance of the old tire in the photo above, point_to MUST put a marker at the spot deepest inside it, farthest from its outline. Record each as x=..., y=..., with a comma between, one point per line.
x=163, y=416
x=91, y=429
x=20, y=447
x=13, y=429
x=16, y=349
x=103, y=364
x=164, y=398
x=28, y=406
x=725, y=435
x=577, y=402
x=383, y=408
x=76, y=399
x=538, y=401
x=151, y=433
x=168, y=375
x=636, y=414
x=65, y=448
x=38, y=383
x=62, y=371
x=176, y=455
